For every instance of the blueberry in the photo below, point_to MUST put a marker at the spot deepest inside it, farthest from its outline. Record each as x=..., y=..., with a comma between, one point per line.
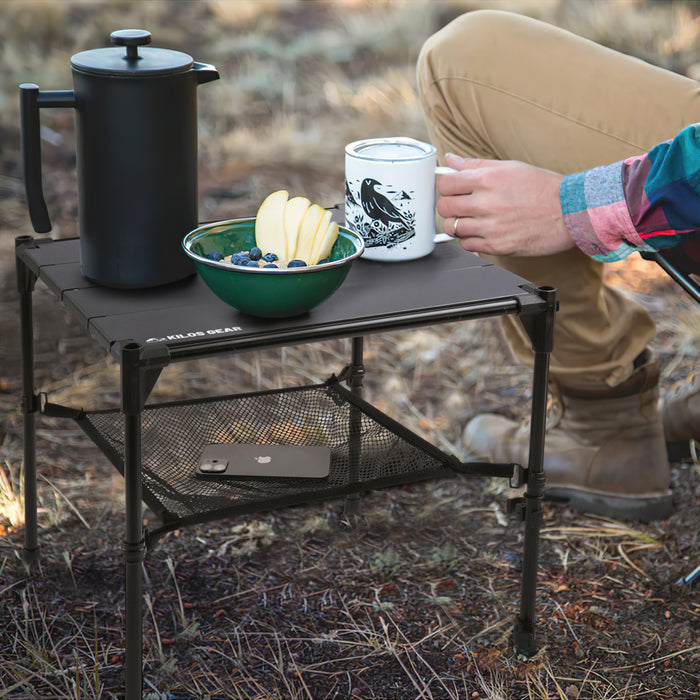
x=269, y=257
x=215, y=255
x=296, y=263
x=271, y=265
x=251, y=263
x=238, y=259
x=325, y=260
x=255, y=253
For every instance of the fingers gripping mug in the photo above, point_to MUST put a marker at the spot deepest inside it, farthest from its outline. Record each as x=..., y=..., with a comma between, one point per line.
x=390, y=197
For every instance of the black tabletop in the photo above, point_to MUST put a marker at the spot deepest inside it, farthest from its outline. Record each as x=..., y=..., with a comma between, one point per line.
x=187, y=318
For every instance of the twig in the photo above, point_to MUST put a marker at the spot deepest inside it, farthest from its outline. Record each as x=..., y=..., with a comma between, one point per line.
x=418, y=654
x=623, y=554
x=66, y=499
x=568, y=624
x=651, y=662
x=391, y=646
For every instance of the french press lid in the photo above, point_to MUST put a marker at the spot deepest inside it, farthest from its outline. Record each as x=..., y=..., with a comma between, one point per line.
x=144, y=62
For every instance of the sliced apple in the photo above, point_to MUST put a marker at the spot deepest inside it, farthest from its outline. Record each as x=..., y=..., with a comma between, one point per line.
x=324, y=241
x=320, y=233
x=293, y=215
x=307, y=232
x=269, y=224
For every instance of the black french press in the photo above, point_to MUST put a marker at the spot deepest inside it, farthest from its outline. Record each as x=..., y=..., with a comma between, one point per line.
x=136, y=150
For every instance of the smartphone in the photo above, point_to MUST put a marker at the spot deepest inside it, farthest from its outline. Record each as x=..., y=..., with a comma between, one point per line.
x=236, y=461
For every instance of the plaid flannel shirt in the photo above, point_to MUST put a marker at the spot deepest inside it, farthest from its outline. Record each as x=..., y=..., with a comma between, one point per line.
x=646, y=202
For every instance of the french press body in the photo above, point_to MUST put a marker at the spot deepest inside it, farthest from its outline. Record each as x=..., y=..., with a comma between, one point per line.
x=136, y=156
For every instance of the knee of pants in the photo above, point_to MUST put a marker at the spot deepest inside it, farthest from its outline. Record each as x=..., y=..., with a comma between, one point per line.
x=469, y=40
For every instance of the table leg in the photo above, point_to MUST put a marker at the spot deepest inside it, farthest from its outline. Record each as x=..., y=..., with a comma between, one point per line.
x=357, y=373
x=25, y=287
x=524, y=636
x=134, y=543
x=542, y=337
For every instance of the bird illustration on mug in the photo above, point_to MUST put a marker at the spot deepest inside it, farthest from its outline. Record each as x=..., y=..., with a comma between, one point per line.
x=383, y=217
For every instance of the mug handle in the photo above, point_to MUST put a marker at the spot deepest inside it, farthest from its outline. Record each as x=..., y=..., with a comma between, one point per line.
x=442, y=237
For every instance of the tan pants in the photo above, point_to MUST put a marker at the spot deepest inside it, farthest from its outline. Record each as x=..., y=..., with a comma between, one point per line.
x=500, y=85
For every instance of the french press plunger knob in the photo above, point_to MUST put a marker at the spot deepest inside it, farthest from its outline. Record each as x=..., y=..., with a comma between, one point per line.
x=132, y=39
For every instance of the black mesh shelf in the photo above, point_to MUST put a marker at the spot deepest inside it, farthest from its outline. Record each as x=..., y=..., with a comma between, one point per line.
x=368, y=449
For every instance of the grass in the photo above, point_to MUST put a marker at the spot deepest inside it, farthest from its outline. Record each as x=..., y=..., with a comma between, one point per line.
x=11, y=499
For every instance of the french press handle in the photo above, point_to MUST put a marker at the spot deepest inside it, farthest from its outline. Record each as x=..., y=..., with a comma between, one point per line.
x=31, y=99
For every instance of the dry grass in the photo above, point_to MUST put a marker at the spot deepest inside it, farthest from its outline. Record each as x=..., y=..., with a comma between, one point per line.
x=417, y=601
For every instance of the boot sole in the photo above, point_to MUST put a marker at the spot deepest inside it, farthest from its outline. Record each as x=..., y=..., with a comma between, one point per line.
x=639, y=508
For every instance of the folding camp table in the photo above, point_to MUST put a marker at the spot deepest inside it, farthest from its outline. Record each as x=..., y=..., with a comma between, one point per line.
x=156, y=446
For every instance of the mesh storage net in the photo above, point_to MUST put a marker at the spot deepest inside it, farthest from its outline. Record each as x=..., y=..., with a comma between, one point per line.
x=368, y=449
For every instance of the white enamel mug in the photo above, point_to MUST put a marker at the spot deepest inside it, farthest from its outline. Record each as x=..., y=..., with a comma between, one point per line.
x=390, y=197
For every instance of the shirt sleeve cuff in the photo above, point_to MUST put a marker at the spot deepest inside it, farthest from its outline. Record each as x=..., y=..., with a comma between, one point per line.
x=596, y=214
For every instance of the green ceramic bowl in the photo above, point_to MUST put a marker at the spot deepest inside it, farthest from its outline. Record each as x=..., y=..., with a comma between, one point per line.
x=267, y=292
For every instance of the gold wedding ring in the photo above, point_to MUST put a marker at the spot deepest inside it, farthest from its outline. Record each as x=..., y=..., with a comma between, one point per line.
x=454, y=225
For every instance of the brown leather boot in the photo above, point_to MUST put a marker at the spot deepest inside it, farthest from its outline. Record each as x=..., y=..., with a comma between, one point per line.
x=680, y=414
x=605, y=451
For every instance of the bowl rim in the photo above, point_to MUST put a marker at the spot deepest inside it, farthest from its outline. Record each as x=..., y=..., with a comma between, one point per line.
x=193, y=235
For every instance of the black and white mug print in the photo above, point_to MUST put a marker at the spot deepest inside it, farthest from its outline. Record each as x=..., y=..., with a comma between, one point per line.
x=382, y=214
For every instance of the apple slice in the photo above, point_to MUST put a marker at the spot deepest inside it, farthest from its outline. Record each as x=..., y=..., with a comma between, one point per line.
x=320, y=233
x=307, y=232
x=269, y=224
x=324, y=242
x=293, y=215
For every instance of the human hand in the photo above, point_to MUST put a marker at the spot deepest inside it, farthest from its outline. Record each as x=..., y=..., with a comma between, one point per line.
x=503, y=207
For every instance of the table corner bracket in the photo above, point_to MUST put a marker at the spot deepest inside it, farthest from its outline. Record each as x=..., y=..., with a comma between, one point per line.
x=141, y=366
x=540, y=327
